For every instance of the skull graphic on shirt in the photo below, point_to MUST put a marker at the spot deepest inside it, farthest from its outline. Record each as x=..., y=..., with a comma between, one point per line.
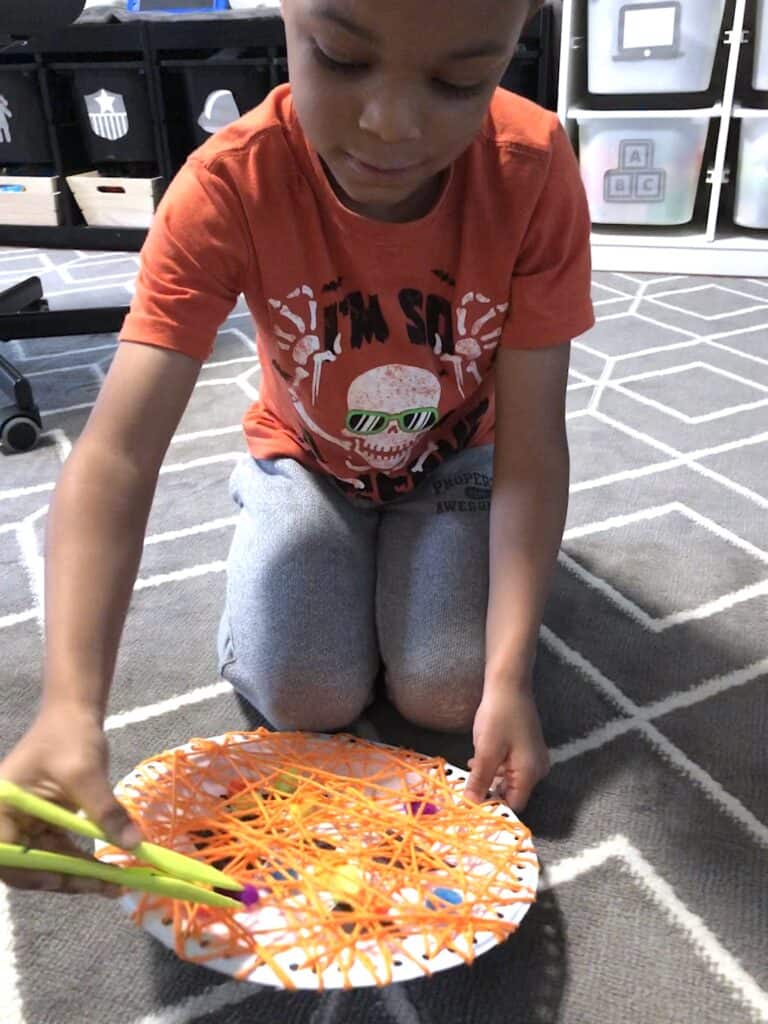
x=389, y=408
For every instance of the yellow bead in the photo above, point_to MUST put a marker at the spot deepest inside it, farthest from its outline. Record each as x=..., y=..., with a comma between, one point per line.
x=346, y=880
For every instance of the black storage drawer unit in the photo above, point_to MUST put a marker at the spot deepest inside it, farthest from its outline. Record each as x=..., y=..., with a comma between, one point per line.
x=24, y=136
x=216, y=91
x=114, y=111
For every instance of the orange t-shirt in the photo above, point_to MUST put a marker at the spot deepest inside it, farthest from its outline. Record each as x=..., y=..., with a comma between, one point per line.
x=376, y=340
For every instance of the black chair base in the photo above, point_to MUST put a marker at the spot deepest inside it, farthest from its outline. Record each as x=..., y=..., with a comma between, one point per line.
x=24, y=313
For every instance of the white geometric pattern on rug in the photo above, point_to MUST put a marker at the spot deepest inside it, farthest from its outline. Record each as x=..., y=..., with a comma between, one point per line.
x=650, y=376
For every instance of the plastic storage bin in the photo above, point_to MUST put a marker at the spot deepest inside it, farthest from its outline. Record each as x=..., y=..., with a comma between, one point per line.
x=115, y=114
x=760, y=72
x=751, y=206
x=23, y=129
x=28, y=200
x=642, y=170
x=652, y=47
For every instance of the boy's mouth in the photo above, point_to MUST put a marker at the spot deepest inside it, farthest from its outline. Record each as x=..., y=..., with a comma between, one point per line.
x=393, y=170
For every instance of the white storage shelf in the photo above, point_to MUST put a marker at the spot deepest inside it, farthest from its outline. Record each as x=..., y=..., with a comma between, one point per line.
x=619, y=173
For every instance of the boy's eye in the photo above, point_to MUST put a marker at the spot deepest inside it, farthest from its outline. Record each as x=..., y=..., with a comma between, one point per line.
x=349, y=67
x=458, y=91
x=344, y=66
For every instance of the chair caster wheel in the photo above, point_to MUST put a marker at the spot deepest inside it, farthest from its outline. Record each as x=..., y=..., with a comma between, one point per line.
x=19, y=433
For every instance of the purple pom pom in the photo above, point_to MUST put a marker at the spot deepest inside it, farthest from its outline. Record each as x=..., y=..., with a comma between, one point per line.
x=418, y=806
x=249, y=896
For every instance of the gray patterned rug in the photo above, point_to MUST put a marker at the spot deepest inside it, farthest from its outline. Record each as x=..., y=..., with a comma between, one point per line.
x=653, y=825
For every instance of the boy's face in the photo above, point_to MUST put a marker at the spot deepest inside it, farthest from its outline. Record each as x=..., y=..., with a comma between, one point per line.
x=390, y=92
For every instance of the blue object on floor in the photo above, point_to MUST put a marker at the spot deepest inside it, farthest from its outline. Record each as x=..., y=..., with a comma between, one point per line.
x=182, y=7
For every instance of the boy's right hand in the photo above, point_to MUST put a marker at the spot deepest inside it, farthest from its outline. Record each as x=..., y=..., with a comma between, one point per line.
x=63, y=758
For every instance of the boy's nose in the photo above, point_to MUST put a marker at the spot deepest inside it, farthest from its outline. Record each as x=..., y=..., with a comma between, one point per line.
x=392, y=117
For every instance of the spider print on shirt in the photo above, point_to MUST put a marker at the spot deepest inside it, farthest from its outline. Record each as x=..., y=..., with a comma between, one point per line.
x=303, y=342
x=470, y=342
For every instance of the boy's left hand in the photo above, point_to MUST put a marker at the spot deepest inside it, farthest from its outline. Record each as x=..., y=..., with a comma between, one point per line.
x=509, y=748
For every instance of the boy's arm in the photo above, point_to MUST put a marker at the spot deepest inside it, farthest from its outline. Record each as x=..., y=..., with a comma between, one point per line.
x=98, y=518
x=193, y=265
x=93, y=547
x=528, y=507
x=530, y=500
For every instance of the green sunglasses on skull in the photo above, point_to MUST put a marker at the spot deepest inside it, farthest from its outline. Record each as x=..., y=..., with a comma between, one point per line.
x=412, y=421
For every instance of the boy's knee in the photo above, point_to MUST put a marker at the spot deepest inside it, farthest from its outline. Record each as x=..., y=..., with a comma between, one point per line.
x=295, y=701
x=286, y=712
x=443, y=698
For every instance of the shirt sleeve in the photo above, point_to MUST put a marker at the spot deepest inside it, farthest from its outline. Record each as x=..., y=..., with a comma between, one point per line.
x=193, y=265
x=550, y=294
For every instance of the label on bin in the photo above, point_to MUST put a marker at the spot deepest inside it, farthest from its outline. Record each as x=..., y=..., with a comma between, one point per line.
x=635, y=180
x=107, y=114
x=5, y=117
x=649, y=30
x=220, y=110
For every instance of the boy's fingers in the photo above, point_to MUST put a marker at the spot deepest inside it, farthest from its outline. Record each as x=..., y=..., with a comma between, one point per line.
x=53, y=841
x=31, y=879
x=515, y=798
x=518, y=789
x=48, y=881
x=483, y=767
x=88, y=886
x=76, y=885
x=111, y=892
x=119, y=828
x=98, y=802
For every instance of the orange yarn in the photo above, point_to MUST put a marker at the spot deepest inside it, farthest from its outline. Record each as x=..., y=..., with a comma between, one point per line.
x=347, y=842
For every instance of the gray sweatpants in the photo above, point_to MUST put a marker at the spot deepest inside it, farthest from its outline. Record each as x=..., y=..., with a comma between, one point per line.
x=323, y=590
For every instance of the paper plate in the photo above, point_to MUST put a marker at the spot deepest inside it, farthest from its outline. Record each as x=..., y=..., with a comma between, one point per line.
x=371, y=865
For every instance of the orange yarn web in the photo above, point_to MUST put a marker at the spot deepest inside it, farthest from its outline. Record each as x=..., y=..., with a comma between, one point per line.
x=345, y=840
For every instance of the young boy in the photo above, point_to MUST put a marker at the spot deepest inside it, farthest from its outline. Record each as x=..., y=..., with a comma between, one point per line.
x=414, y=246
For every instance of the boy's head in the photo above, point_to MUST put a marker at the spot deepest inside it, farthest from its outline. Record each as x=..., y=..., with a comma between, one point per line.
x=390, y=92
